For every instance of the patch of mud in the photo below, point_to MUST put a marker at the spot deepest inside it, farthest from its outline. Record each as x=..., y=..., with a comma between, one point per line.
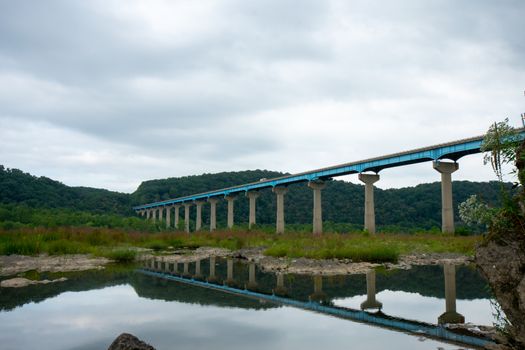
x=19, y=282
x=15, y=264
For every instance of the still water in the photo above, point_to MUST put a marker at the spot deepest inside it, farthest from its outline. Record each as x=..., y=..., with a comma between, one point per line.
x=91, y=308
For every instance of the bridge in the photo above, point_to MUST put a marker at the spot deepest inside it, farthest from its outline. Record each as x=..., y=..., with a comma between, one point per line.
x=444, y=158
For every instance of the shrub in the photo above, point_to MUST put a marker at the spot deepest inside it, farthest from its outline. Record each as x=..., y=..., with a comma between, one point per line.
x=122, y=255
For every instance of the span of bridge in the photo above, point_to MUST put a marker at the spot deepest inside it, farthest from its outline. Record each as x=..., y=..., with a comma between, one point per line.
x=367, y=169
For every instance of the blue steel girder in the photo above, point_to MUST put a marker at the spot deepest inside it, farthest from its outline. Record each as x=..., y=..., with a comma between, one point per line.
x=452, y=150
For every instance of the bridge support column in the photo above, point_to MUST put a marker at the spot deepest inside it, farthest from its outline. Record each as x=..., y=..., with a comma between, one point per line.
x=176, y=215
x=198, y=219
x=213, y=213
x=186, y=269
x=230, y=198
x=148, y=214
x=168, y=216
x=279, y=223
x=370, y=216
x=187, y=217
x=450, y=315
x=252, y=196
x=371, y=301
x=317, y=186
x=154, y=214
x=161, y=214
x=447, y=211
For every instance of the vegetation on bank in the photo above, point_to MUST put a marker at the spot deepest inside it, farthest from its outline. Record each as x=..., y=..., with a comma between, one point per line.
x=122, y=245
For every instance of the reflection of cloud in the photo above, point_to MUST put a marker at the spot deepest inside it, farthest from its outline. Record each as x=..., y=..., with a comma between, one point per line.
x=92, y=319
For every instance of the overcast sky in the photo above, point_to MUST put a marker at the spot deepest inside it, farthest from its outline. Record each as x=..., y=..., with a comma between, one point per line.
x=111, y=93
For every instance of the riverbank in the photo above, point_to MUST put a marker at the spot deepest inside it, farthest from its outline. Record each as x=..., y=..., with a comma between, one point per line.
x=121, y=245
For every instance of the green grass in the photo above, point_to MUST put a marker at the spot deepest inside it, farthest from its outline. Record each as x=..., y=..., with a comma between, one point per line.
x=119, y=244
x=121, y=254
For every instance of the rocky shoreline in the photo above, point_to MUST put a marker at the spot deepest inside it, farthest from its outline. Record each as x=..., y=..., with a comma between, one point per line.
x=13, y=265
x=307, y=266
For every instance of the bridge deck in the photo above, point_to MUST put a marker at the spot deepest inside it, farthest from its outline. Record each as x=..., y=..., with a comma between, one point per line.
x=450, y=150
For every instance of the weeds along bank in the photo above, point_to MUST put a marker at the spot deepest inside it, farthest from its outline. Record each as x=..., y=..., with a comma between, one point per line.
x=121, y=244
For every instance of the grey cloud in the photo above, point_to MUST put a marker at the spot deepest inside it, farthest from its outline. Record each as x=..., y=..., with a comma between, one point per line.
x=84, y=68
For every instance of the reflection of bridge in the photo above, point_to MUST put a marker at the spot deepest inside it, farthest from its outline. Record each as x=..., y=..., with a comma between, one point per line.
x=318, y=300
x=316, y=181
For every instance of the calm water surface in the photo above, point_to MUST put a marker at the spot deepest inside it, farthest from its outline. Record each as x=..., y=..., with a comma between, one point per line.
x=90, y=309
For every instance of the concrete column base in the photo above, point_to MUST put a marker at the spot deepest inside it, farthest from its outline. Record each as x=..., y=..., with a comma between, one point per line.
x=279, y=224
x=447, y=210
x=198, y=217
x=317, y=186
x=230, y=199
x=187, y=217
x=252, y=196
x=370, y=218
x=213, y=213
x=176, y=217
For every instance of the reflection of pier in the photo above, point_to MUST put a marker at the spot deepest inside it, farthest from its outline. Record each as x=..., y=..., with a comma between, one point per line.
x=318, y=298
x=371, y=302
x=450, y=315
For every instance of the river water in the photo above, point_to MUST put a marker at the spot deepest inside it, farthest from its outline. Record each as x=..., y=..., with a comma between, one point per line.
x=175, y=308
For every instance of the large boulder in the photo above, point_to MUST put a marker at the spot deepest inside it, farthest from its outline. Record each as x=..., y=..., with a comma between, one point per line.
x=503, y=265
x=126, y=341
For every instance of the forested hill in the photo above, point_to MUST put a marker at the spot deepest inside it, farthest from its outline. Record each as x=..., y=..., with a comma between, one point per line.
x=411, y=207
x=17, y=187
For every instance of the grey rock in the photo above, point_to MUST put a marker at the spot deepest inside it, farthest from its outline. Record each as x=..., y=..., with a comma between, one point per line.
x=503, y=265
x=126, y=341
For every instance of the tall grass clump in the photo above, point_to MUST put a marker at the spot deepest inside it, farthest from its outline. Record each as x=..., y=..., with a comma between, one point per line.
x=122, y=255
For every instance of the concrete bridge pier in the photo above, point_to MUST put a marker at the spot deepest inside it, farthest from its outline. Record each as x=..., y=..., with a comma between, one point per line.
x=280, y=289
x=187, y=217
x=154, y=214
x=447, y=210
x=280, y=192
x=252, y=196
x=148, y=214
x=168, y=217
x=161, y=212
x=252, y=282
x=175, y=267
x=186, y=269
x=212, y=277
x=371, y=301
x=176, y=216
x=317, y=186
x=370, y=217
x=213, y=213
x=450, y=315
x=231, y=199
x=198, y=219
